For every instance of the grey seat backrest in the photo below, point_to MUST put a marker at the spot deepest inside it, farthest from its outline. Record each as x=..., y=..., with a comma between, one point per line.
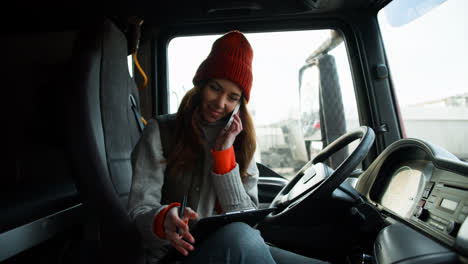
x=102, y=133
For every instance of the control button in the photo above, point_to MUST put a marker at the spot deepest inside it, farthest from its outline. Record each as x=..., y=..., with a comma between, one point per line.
x=430, y=185
x=437, y=225
x=425, y=194
x=422, y=213
x=427, y=190
x=452, y=228
x=422, y=203
x=441, y=220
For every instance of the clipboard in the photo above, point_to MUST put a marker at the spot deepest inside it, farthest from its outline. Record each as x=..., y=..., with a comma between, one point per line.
x=207, y=225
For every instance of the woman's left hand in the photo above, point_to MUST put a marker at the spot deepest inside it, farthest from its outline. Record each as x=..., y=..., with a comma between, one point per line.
x=225, y=141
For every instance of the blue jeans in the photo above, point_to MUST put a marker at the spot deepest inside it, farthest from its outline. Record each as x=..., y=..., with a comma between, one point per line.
x=240, y=243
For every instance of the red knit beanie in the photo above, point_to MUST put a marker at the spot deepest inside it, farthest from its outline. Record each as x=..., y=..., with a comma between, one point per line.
x=230, y=58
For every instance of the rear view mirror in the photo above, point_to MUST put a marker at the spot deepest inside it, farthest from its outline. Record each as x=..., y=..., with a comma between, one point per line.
x=401, y=12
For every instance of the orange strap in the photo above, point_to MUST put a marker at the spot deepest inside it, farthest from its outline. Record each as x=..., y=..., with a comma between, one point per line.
x=141, y=71
x=158, y=224
x=224, y=160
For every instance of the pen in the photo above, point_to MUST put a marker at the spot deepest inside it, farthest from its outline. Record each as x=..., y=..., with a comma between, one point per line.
x=181, y=211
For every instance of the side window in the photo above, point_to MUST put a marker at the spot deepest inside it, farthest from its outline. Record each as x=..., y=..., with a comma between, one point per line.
x=130, y=64
x=425, y=43
x=302, y=94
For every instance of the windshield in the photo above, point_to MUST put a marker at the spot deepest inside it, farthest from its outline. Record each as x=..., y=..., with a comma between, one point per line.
x=428, y=62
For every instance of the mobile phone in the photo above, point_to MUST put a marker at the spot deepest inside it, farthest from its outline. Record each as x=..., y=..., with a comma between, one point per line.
x=231, y=118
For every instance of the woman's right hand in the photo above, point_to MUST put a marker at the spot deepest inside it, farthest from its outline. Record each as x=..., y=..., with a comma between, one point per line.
x=226, y=140
x=172, y=222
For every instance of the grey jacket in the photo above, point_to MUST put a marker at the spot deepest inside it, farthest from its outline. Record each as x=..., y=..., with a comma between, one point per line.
x=152, y=190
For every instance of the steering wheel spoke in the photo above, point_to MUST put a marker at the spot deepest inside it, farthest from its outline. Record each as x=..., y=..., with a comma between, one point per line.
x=316, y=180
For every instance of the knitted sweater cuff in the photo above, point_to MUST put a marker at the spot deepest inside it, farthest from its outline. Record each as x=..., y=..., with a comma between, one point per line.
x=224, y=160
x=158, y=224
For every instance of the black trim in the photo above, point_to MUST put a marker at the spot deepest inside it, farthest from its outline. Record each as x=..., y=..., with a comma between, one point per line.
x=380, y=97
x=27, y=236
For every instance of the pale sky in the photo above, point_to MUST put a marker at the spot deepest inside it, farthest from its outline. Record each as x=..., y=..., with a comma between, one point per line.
x=438, y=49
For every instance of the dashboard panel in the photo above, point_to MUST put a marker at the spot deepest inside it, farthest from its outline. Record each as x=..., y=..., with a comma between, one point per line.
x=424, y=187
x=404, y=184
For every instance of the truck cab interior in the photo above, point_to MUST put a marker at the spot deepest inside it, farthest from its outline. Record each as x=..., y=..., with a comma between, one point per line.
x=360, y=110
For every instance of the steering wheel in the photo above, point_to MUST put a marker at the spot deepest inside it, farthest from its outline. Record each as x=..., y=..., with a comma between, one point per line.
x=311, y=183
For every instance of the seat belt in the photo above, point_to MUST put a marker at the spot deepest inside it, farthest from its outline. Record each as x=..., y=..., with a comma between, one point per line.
x=137, y=114
x=134, y=34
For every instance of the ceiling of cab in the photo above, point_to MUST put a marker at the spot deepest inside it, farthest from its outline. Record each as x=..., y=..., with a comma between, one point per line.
x=193, y=11
x=168, y=12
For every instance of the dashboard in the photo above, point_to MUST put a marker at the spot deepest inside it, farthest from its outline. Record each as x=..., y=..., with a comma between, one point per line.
x=424, y=188
x=403, y=185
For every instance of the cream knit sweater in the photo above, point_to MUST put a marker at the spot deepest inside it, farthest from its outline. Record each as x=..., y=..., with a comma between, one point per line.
x=148, y=179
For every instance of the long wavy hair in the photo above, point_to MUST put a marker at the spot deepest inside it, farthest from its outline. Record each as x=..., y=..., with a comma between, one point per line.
x=189, y=143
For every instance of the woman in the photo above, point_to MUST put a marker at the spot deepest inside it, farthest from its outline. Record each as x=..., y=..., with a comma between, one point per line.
x=194, y=154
